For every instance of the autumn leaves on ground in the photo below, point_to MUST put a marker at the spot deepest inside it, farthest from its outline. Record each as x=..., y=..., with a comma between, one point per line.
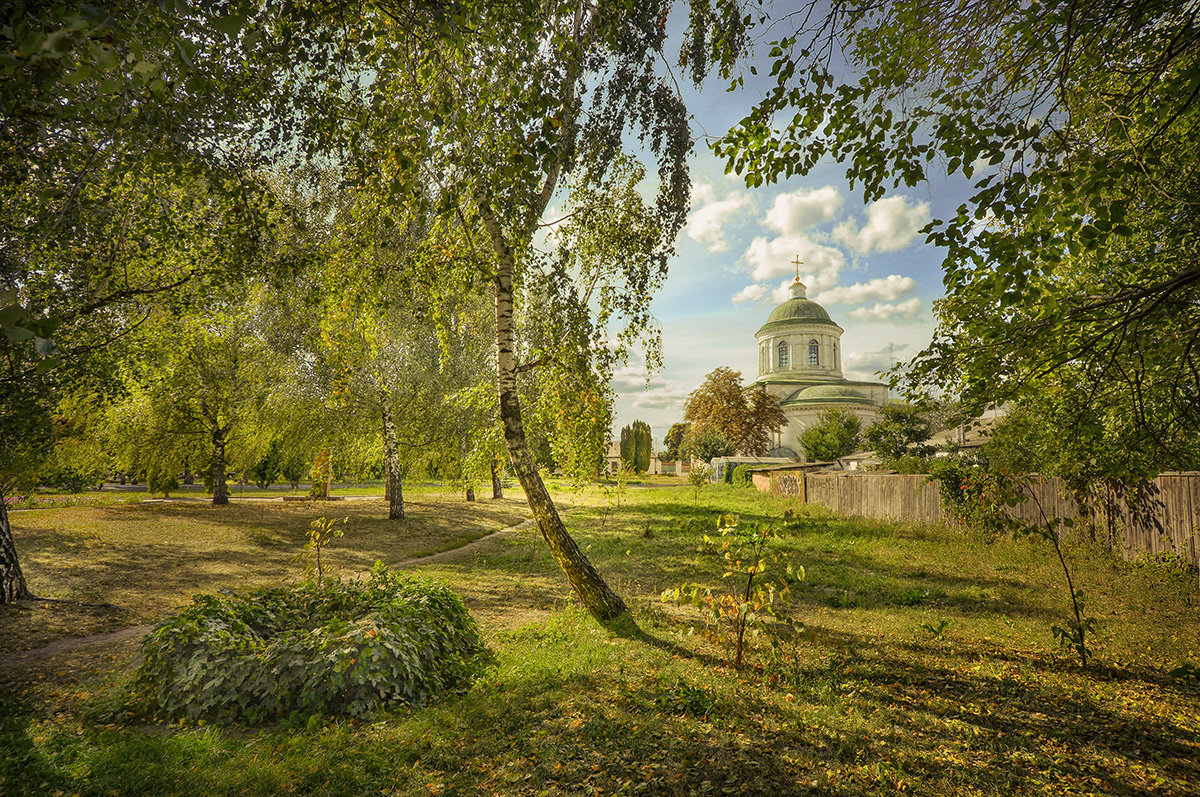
x=922, y=659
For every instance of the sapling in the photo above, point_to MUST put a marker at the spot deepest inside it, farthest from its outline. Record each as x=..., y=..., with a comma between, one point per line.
x=321, y=532
x=758, y=578
x=698, y=477
x=1076, y=632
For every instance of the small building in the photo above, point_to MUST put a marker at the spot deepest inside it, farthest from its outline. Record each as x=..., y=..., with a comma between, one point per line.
x=658, y=466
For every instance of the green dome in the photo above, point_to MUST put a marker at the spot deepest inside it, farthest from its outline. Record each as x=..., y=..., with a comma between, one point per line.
x=829, y=394
x=799, y=311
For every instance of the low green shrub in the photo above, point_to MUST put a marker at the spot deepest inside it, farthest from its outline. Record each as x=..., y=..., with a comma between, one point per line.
x=742, y=477
x=348, y=648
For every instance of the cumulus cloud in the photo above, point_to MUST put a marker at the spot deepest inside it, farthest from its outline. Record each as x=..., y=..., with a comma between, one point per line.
x=630, y=376
x=706, y=224
x=887, y=289
x=751, y=293
x=888, y=312
x=892, y=223
x=798, y=210
x=867, y=365
x=664, y=396
x=773, y=258
x=782, y=292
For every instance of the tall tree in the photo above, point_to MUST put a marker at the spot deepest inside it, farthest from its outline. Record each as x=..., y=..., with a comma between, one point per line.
x=636, y=441
x=107, y=109
x=524, y=105
x=746, y=418
x=202, y=381
x=673, y=440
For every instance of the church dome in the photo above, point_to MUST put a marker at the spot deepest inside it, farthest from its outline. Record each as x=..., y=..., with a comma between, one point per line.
x=829, y=394
x=803, y=310
x=798, y=310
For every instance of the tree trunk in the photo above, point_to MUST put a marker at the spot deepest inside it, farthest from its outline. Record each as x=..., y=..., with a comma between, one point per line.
x=604, y=604
x=12, y=580
x=220, y=489
x=188, y=477
x=497, y=487
x=391, y=463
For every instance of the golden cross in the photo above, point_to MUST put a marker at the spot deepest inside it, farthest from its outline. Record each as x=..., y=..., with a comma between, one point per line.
x=798, y=262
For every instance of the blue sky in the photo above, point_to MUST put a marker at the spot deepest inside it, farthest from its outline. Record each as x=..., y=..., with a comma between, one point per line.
x=865, y=263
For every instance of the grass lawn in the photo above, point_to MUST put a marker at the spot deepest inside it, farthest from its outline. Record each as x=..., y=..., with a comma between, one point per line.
x=924, y=664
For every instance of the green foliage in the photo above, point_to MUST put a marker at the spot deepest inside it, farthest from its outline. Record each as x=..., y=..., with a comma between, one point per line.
x=835, y=434
x=910, y=464
x=636, y=442
x=742, y=477
x=706, y=445
x=901, y=431
x=698, y=476
x=680, y=697
x=293, y=468
x=161, y=480
x=321, y=532
x=673, y=441
x=935, y=630
x=758, y=579
x=973, y=494
x=350, y=648
x=267, y=470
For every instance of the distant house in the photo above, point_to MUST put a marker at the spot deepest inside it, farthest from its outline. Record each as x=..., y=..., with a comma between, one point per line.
x=658, y=467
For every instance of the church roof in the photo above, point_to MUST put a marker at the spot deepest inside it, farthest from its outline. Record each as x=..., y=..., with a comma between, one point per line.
x=798, y=310
x=828, y=394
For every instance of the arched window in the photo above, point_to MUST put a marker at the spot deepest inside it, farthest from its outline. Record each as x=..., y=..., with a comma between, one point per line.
x=783, y=354
x=814, y=352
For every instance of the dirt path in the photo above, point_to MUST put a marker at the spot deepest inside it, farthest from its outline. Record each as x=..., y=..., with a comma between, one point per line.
x=470, y=547
x=72, y=643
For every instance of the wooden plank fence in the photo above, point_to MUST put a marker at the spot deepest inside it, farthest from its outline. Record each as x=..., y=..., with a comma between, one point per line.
x=1166, y=520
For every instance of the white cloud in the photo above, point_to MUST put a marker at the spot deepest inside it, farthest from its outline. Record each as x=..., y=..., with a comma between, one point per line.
x=888, y=312
x=773, y=258
x=782, y=292
x=888, y=289
x=751, y=293
x=868, y=365
x=892, y=223
x=706, y=225
x=665, y=396
x=796, y=211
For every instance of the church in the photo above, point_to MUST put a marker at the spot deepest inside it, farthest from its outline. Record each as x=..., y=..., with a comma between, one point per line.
x=800, y=361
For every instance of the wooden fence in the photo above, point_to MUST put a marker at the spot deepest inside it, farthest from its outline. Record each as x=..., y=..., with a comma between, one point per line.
x=1166, y=519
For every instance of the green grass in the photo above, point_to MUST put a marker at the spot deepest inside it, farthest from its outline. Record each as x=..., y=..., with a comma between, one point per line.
x=924, y=663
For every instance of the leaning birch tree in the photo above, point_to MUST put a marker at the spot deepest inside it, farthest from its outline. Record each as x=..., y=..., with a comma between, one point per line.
x=513, y=110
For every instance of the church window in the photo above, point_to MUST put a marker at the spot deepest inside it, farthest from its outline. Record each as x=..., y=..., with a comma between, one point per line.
x=783, y=354
x=814, y=352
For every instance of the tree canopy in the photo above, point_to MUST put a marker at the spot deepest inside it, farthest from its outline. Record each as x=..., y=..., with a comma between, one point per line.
x=900, y=431
x=833, y=436
x=746, y=418
x=1072, y=267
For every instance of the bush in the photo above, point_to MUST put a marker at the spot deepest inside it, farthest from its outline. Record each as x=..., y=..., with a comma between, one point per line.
x=742, y=477
x=348, y=648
